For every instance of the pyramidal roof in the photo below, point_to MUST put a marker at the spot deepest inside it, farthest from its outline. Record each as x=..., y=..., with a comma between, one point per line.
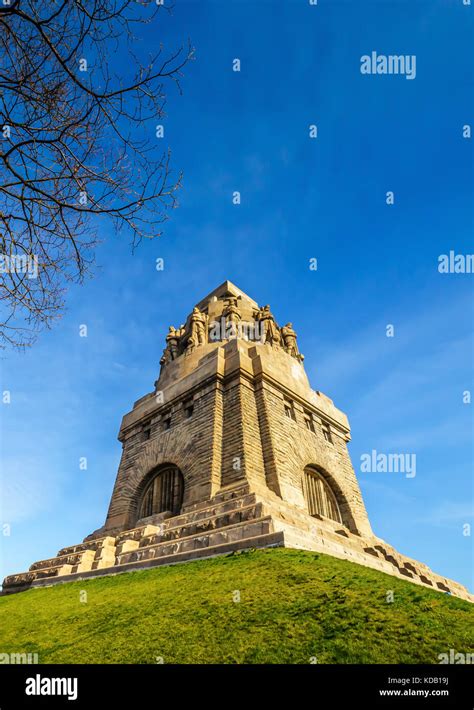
x=226, y=289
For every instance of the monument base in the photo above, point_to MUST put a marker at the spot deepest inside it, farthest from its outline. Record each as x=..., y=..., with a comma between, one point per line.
x=238, y=517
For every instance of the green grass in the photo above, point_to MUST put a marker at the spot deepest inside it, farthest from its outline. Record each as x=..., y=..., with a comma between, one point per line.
x=293, y=606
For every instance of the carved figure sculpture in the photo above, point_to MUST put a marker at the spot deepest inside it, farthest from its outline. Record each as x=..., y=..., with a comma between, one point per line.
x=271, y=333
x=172, y=340
x=198, y=334
x=232, y=316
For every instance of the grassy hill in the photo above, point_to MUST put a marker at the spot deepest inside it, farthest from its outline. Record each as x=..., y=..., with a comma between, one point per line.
x=294, y=606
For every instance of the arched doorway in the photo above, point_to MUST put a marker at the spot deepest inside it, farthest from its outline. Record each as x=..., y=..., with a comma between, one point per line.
x=163, y=492
x=319, y=496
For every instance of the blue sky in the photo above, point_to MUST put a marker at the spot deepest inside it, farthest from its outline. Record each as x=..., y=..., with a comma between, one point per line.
x=301, y=198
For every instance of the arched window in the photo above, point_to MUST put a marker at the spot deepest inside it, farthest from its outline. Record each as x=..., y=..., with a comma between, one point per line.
x=319, y=496
x=164, y=492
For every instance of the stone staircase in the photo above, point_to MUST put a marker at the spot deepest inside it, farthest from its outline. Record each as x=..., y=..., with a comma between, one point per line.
x=232, y=520
x=235, y=519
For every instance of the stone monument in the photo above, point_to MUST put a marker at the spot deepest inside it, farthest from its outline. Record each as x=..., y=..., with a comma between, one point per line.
x=231, y=450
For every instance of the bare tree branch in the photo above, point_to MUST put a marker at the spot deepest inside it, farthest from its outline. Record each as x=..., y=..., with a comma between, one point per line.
x=77, y=142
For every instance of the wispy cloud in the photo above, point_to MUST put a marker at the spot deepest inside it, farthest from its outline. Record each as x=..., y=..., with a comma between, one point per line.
x=449, y=514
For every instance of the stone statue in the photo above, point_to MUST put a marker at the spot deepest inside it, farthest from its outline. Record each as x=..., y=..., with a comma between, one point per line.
x=232, y=317
x=198, y=335
x=289, y=340
x=231, y=311
x=172, y=340
x=271, y=333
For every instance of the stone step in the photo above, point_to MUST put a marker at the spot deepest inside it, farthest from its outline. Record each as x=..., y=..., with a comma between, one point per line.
x=25, y=580
x=96, y=544
x=90, y=559
x=222, y=496
x=201, y=510
x=228, y=534
x=223, y=513
x=189, y=517
x=54, y=570
x=83, y=559
x=212, y=522
x=104, y=553
x=57, y=561
x=28, y=577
